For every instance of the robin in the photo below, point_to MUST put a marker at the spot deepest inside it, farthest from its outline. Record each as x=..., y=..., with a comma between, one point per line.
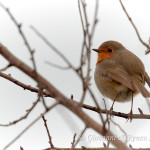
x=119, y=73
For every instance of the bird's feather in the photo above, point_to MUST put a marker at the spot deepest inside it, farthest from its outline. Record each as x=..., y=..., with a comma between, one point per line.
x=116, y=72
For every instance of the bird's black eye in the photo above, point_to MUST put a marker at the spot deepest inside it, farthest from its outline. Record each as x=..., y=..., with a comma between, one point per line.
x=109, y=50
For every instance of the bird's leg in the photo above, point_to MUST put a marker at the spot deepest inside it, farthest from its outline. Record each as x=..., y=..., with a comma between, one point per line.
x=130, y=114
x=111, y=109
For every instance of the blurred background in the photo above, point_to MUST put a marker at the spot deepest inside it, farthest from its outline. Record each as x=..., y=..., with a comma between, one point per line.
x=59, y=22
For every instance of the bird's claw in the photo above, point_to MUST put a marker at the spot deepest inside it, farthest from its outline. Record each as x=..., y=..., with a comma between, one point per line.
x=111, y=110
x=130, y=116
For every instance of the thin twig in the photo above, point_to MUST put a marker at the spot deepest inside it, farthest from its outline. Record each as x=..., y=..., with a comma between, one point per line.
x=18, y=25
x=47, y=130
x=51, y=46
x=73, y=142
x=97, y=105
x=66, y=60
x=96, y=109
x=24, y=116
x=57, y=66
x=95, y=20
x=135, y=28
x=6, y=67
x=24, y=86
x=28, y=127
x=121, y=129
x=81, y=135
x=76, y=109
x=107, y=121
x=44, y=103
x=117, y=114
x=87, y=78
x=86, y=21
x=84, y=82
x=89, y=36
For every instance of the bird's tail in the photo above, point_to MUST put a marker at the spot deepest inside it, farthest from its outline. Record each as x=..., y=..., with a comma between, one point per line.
x=140, y=87
x=147, y=79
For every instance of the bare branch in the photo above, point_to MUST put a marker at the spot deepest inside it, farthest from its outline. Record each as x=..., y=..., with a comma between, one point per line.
x=28, y=127
x=107, y=121
x=18, y=25
x=96, y=109
x=88, y=52
x=24, y=86
x=114, y=113
x=51, y=46
x=73, y=142
x=48, y=133
x=95, y=20
x=97, y=105
x=44, y=103
x=5, y=68
x=121, y=129
x=81, y=135
x=135, y=28
x=84, y=44
x=24, y=116
x=68, y=103
x=57, y=66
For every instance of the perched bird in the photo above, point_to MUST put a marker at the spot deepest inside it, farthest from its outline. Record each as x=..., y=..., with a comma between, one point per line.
x=119, y=73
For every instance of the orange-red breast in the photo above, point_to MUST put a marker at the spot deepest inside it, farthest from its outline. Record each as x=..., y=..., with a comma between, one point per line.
x=119, y=73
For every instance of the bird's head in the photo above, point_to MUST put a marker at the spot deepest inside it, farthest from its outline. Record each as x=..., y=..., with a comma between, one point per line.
x=107, y=50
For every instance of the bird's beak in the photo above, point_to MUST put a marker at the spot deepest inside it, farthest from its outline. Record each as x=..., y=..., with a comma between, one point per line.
x=96, y=50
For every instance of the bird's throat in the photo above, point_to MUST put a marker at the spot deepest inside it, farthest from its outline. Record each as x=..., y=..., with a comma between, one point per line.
x=103, y=56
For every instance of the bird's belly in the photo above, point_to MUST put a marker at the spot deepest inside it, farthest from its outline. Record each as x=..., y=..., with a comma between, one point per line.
x=113, y=90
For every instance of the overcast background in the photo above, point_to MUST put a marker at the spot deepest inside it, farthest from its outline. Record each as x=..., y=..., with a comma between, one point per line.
x=59, y=21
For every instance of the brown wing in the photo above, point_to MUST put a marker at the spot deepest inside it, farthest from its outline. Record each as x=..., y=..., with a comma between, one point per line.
x=134, y=66
x=117, y=73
